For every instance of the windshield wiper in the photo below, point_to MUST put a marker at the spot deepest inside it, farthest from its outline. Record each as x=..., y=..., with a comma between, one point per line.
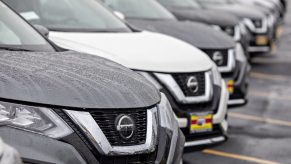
x=10, y=48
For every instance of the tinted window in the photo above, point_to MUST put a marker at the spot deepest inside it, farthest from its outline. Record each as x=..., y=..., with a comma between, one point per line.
x=180, y=3
x=149, y=9
x=68, y=15
x=14, y=32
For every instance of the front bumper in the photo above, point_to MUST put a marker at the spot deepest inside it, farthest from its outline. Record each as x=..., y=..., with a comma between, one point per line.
x=219, y=121
x=35, y=148
x=239, y=87
x=262, y=42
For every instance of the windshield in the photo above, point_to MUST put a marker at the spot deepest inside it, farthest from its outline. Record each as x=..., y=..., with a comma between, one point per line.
x=214, y=2
x=180, y=3
x=69, y=15
x=146, y=9
x=16, y=33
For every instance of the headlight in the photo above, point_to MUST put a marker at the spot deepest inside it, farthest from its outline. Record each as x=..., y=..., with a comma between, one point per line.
x=216, y=76
x=258, y=23
x=35, y=119
x=229, y=30
x=167, y=116
x=233, y=32
x=216, y=27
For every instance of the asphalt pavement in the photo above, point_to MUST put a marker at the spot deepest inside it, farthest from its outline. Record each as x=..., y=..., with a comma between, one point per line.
x=259, y=132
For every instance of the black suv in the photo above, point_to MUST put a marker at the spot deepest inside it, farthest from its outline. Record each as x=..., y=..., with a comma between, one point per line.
x=59, y=106
x=259, y=22
x=189, y=10
x=222, y=49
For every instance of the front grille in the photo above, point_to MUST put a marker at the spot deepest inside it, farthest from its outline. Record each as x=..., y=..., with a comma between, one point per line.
x=219, y=57
x=106, y=121
x=130, y=159
x=183, y=79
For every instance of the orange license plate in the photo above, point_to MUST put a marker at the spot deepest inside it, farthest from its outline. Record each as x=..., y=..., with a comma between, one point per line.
x=261, y=40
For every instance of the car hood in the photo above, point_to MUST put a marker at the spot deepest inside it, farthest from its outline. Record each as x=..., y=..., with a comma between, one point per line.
x=239, y=10
x=199, y=35
x=144, y=51
x=72, y=80
x=210, y=17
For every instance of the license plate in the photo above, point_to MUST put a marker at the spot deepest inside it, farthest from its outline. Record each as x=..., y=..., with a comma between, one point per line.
x=201, y=122
x=279, y=32
x=261, y=40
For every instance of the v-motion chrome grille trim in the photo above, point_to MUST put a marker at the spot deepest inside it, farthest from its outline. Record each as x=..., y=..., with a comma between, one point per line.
x=176, y=91
x=252, y=27
x=89, y=126
x=230, y=62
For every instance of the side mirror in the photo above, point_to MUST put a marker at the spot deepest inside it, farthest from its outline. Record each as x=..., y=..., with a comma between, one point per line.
x=41, y=29
x=119, y=15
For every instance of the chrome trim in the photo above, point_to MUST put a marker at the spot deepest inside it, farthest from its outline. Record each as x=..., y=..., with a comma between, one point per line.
x=176, y=91
x=230, y=62
x=87, y=123
x=206, y=141
x=271, y=20
x=252, y=27
x=258, y=49
x=237, y=33
x=236, y=101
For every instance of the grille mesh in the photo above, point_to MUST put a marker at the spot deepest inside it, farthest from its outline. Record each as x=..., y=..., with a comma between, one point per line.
x=224, y=53
x=133, y=159
x=106, y=121
x=182, y=80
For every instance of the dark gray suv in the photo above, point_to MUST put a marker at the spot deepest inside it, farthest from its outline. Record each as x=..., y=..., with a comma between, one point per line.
x=59, y=106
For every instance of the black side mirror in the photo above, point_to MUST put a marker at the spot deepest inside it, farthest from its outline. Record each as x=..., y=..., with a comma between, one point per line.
x=41, y=29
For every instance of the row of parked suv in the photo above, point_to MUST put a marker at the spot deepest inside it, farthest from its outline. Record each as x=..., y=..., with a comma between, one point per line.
x=125, y=81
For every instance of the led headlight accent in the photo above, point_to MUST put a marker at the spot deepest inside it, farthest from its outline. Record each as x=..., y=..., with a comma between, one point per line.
x=35, y=119
x=215, y=75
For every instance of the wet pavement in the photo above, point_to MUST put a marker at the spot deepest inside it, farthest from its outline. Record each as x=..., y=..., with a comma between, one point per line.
x=261, y=131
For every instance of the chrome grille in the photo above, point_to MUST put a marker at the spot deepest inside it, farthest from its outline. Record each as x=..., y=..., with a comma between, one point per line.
x=182, y=80
x=219, y=57
x=106, y=122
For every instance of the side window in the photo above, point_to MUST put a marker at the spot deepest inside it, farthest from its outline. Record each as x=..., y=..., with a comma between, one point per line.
x=7, y=36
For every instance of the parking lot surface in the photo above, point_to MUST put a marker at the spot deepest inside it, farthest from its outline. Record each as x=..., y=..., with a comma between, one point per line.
x=261, y=131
